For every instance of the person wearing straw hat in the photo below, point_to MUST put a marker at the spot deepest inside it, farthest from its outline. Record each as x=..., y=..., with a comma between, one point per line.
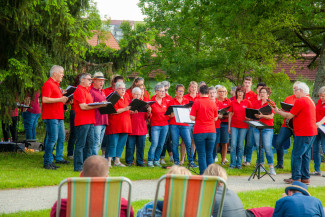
x=297, y=202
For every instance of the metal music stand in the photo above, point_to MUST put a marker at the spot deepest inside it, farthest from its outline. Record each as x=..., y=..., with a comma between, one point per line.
x=257, y=171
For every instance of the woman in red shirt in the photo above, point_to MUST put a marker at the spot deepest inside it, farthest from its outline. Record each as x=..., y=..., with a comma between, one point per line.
x=159, y=126
x=320, y=138
x=119, y=127
x=237, y=127
x=137, y=81
x=204, y=112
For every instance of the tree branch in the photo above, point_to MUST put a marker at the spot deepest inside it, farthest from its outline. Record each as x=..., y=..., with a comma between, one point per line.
x=312, y=47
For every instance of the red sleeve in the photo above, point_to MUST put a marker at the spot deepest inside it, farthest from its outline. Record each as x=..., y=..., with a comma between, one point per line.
x=231, y=109
x=46, y=90
x=194, y=108
x=296, y=107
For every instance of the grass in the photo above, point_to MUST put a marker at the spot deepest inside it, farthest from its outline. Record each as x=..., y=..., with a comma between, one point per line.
x=250, y=199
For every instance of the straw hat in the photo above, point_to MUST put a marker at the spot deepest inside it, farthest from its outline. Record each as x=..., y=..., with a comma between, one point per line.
x=99, y=76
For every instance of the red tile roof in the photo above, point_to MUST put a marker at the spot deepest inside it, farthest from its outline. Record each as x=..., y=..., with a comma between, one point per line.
x=108, y=39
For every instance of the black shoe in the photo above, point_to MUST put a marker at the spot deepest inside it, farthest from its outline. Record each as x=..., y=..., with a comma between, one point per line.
x=49, y=167
x=140, y=165
x=278, y=166
x=53, y=165
x=62, y=162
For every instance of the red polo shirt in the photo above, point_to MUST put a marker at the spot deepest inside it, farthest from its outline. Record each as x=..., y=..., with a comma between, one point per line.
x=290, y=100
x=108, y=90
x=320, y=110
x=304, y=122
x=158, y=117
x=129, y=92
x=204, y=111
x=139, y=124
x=188, y=96
x=239, y=113
x=172, y=121
x=80, y=96
x=257, y=105
x=222, y=105
x=167, y=97
x=119, y=123
x=51, y=89
x=251, y=96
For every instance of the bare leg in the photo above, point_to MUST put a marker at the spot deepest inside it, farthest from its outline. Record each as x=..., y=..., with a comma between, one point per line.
x=224, y=151
x=183, y=152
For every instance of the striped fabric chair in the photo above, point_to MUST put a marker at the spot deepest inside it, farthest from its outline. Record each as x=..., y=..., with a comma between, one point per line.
x=190, y=196
x=94, y=197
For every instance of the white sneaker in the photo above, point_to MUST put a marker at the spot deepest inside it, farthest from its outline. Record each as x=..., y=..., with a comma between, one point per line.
x=162, y=161
x=226, y=160
x=262, y=169
x=216, y=159
x=244, y=160
x=272, y=171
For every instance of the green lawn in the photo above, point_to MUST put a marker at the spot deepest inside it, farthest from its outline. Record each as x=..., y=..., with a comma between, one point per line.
x=250, y=199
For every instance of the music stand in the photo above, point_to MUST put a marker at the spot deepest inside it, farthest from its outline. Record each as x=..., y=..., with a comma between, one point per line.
x=257, y=171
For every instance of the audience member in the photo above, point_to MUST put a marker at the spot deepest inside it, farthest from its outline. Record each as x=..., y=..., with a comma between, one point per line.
x=31, y=115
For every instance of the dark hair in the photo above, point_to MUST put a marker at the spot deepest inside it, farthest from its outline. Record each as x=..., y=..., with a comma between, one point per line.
x=261, y=84
x=267, y=89
x=248, y=78
x=204, y=89
x=116, y=78
x=77, y=80
x=179, y=85
x=240, y=88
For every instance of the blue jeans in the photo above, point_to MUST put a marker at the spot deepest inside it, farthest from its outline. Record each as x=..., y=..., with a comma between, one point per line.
x=135, y=141
x=224, y=135
x=217, y=142
x=98, y=138
x=319, y=142
x=284, y=134
x=54, y=134
x=167, y=145
x=300, y=157
x=184, y=132
x=158, y=136
x=72, y=136
x=116, y=143
x=249, y=144
x=30, y=124
x=236, y=147
x=204, y=143
x=84, y=145
x=267, y=137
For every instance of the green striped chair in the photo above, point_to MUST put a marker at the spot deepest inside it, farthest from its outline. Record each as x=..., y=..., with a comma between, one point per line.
x=94, y=197
x=190, y=196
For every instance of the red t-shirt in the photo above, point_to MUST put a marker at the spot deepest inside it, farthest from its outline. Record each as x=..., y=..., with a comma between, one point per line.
x=239, y=113
x=188, y=96
x=304, y=121
x=290, y=100
x=51, y=89
x=172, y=121
x=119, y=123
x=251, y=96
x=320, y=110
x=204, y=111
x=82, y=117
x=257, y=105
x=129, y=92
x=224, y=104
x=158, y=117
x=139, y=124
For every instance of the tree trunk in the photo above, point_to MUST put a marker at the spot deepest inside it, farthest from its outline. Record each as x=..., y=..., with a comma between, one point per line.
x=320, y=75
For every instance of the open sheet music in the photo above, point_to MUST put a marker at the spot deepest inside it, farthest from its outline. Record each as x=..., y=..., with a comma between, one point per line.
x=182, y=115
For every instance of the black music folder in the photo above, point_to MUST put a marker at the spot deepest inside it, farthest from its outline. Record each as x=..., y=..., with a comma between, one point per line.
x=109, y=109
x=223, y=111
x=170, y=108
x=113, y=97
x=137, y=104
x=145, y=108
x=250, y=113
x=286, y=107
x=70, y=90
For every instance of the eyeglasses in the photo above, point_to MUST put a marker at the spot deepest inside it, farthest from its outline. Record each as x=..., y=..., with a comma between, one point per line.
x=180, y=91
x=221, y=91
x=89, y=79
x=161, y=91
x=121, y=88
x=263, y=92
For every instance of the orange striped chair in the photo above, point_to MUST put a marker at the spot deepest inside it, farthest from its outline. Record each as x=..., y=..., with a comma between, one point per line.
x=94, y=197
x=190, y=196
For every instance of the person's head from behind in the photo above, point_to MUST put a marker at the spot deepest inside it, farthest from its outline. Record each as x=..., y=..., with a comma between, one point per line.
x=297, y=187
x=204, y=90
x=178, y=170
x=216, y=170
x=95, y=166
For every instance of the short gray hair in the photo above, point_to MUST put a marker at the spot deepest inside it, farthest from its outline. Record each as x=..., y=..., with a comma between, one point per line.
x=159, y=86
x=321, y=90
x=83, y=75
x=136, y=89
x=166, y=84
x=303, y=87
x=119, y=84
x=296, y=83
x=56, y=68
x=212, y=88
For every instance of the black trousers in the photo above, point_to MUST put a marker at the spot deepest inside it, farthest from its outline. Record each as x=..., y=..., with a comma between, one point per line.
x=10, y=129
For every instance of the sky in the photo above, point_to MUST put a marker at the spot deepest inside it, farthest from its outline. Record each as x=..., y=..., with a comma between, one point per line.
x=119, y=9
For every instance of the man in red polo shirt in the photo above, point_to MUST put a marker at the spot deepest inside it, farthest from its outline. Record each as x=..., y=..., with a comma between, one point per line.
x=53, y=116
x=305, y=129
x=84, y=121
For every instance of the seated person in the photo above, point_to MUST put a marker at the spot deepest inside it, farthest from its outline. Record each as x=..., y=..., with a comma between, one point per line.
x=146, y=211
x=297, y=202
x=94, y=166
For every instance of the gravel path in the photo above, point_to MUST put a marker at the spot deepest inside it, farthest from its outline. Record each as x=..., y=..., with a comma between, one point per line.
x=15, y=200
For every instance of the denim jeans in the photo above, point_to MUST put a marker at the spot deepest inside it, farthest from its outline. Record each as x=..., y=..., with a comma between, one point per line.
x=319, y=142
x=284, y=134
x=300, y=157
x=30, y=124
x=217, y=142
x=54, y=134
x=184, y=132
x=249, y=144
x=167, y=145
x=84, y=144
x=116, y=143
x=72, y=136
x=236, y=147
x=224, y=135
x=267, y=137
x=135, y=141
x=204, y=143
x=99, y=132
x=158, y=136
